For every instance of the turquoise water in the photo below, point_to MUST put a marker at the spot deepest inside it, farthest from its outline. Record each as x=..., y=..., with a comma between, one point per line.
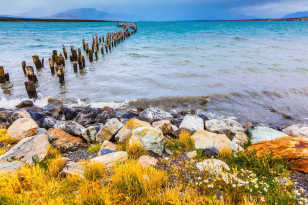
x=245, y=67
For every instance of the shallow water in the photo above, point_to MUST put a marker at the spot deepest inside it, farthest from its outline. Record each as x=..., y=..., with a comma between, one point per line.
x=252, y=70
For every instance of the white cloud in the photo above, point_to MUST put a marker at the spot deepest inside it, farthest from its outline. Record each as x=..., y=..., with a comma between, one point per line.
x=274, y=9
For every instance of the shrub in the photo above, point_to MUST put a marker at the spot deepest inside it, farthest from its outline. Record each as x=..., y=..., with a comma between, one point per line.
x=184, y=143
x=94, y=171
x=135, y=150
x=94, y=148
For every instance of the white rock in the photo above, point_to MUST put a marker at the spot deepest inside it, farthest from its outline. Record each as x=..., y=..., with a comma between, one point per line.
x=297, y=130
x=192, y=122
x=213, y=166
x=154, y=114
x=22, y=128
x=110, y=129
x=9, y=167
x=223, y=125
x=109, y=159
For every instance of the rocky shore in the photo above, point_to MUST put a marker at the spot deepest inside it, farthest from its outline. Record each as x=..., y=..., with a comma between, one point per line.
x=154, y=137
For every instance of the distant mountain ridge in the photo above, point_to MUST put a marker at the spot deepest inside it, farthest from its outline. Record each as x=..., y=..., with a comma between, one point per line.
x=84, y=14
x=297, y=14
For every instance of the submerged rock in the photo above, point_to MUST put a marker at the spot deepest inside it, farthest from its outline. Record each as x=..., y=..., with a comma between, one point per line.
x=9, y=167
x=259, y=133
x=28, y=150
x=294, y=149
x=150, y=138
x=109, y=130
x=70, y=127
x=192, y=122
x=297, y=130
x=223, y=126
x=64, y=141
x=154, y=114
x=109, y=159
x=126, y=131
x=22, y=128
x=208, y=140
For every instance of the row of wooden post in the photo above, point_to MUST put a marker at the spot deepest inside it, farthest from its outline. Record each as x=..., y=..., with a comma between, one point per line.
x=100, y=44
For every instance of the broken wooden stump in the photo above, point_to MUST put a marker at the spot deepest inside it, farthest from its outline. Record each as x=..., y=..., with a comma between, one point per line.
x=75, y=67
x=54, y=54
x=30, y=74
x=4, y=77
x=96, y=53
x=64, y=52
x=52, y=65
x=37, y=62
x=91, y=55
x=60, y=73
x=31, y=89
x=23, y=65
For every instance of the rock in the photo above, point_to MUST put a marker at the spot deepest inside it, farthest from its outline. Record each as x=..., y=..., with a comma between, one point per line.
x=209, y=153
x=223, y=126
x=154, y=114
x=9, y=167
x=208, y=140
x=166, y=127
x=192, y=154
x=25, y=103
x=70, y=127
x=109, y=130
x=22, y=128
x=90, y=133
x=202, y=114
x=87, y=116
x=28, y=150
x=73, y=169
x=126, y=131
x=69, y=113
x=150, y=138
x=109, y=159
x=147, y=161
x=259, y=133
x=64, y=141
x=105, y=151
x=240, y=139
x=54, y=110
x=104, y=116
x=108, y=145
x=123, y=114
x=15, y=115
x=297, y=130
x=294, y=149
x=38, y=117
x=192, y=122
x=213, y=166
x=48, y=122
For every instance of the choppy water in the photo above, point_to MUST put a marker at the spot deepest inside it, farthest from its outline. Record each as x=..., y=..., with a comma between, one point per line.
x=253, y=70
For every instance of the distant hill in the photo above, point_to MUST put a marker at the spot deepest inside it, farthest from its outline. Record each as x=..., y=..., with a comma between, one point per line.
x=83, y=13
x=297, y=14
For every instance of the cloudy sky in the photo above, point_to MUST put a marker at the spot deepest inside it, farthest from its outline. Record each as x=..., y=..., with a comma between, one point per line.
x=160, y=9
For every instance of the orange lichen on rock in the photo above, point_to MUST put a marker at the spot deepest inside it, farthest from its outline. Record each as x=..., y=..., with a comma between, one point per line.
x=295, y=150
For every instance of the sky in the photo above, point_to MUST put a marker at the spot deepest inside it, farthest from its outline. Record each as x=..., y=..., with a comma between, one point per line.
x=160, y=9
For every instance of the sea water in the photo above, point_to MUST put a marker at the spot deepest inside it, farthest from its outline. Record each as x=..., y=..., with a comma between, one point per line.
x=252, y=70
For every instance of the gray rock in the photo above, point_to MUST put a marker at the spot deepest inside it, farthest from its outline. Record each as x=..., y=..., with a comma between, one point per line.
x=73, y=169
x=297, y=130
x=48, y=122
x=109, y=130
x=9, y=167
x=109, y=159
x=28, y=150
x=259, y=133
x=70, y=127
x=89, y=133
x=223, y=126
x=154, y=114
x=150, y=138
x=192, y=122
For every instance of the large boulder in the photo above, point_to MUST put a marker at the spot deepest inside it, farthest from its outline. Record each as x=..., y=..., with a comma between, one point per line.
x=260, y=133
x=70, y=127
x=90, y=133
x=293, y=149
x=73, y=169
x=154, y=114
x=240, y=138
x=109, y=130
x=64, y=141
x=166, y=127
x=28, y=150
x=126, y=131
x=22, y=128
x=150, y=138
x=9, y=167
x=209, y=140
x=297, y=130
x=223, y=126
x=192, y=122
x=17, y=114
x=109, y=159
x=108, y=145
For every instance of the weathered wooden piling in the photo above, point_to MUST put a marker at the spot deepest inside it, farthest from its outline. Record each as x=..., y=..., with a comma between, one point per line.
x=64, y=51
x=60, y=73
x=87, y=48
x=3, y=76
x=60, y=60
x=52, y=65
x=30, y=74
x=84, y=44
x=31, y=89
x=91, y=55
x=102, y=50
x=43, y=62
x=96, y=53
x=79, y=52
x=83, y=62
x=37, y=62
x=23, y=65
x=54, y=54
x=75, y=67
